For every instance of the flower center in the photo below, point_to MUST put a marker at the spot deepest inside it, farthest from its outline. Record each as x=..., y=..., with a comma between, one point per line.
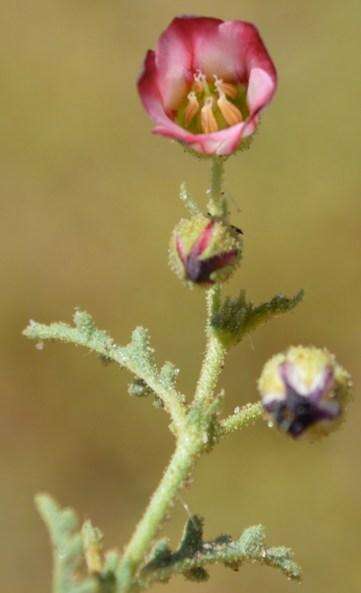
x=212, y=105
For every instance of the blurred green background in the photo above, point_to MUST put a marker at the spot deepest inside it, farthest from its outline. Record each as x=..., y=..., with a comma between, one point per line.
x=89, y=198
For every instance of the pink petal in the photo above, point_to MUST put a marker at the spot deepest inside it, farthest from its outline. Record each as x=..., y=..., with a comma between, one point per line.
x=203, y=242
x=261, y=88
x=149, y=91
x=223, y=142
x=219, y=49
x=234, y=50
x=152, y=100
x=174, y=63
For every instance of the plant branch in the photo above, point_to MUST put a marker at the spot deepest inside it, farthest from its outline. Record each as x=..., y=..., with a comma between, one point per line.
x=192, y=556
x=177, y=472
x=245, y=416
x=137, y=357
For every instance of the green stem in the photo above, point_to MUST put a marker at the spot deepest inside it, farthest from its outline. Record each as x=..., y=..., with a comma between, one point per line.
x=217, y=204
x=215, y=354
x=243, y=417
x=178, y=470
x=190, y=441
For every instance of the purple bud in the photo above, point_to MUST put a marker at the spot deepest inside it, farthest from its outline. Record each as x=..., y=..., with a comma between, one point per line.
x=204, y=250
x=304, y=390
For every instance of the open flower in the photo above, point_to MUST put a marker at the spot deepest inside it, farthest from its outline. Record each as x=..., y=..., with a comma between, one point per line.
x=207, y=82
x=304, y=390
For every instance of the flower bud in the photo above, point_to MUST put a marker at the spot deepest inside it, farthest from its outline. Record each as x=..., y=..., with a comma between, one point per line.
x=204, y=250
x=304, y=390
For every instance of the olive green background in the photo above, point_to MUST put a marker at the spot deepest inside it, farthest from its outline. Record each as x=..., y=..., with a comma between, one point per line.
x=88, y=200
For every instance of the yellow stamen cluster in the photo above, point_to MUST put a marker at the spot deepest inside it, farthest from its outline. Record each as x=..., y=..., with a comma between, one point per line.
x=192, y=108
x=211, y=105
x=208, y=121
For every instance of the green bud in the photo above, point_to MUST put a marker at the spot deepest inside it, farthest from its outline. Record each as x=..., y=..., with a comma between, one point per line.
x=204, y=250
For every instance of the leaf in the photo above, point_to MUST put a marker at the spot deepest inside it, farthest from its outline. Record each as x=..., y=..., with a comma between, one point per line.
x=67, y=547
x=236, y=317
x=194, y=554
x=137, y=357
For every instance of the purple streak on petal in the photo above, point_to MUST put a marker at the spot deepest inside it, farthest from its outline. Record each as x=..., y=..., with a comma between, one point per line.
x=200, y=270
x=286, y=370
x=223, y=260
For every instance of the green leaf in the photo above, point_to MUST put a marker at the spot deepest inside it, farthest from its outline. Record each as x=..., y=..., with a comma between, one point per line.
x=137, y=357
x=67, y=547
x=168, y=375
x=236, y=317
x=192, y=538
x=194, y=554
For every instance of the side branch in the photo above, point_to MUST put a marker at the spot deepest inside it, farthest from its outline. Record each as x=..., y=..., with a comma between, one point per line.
x=194, y=555
x=242, y=417
x=137, y=357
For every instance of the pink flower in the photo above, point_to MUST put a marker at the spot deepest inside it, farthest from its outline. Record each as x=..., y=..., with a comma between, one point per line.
x=207, y=82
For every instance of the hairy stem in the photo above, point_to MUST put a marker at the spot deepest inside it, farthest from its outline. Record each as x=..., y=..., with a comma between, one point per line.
x=178, y=470
x=241, y=418
x=215, y=354
x=215, y=350
x=217, y=204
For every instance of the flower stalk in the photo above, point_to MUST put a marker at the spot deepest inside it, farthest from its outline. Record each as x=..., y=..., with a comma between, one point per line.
x=190, y=440
x=217, y=205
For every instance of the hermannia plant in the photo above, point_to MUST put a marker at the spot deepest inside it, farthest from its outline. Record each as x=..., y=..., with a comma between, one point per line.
x=205, y=86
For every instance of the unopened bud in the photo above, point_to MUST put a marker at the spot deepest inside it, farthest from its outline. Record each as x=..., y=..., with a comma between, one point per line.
x=304, y=390
x=204, y=250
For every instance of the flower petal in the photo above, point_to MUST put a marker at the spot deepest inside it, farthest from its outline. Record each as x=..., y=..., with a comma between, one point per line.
x=174, y=63
x=261, y=88
x=220, y=49
x=221, y=143
x=149, y=91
